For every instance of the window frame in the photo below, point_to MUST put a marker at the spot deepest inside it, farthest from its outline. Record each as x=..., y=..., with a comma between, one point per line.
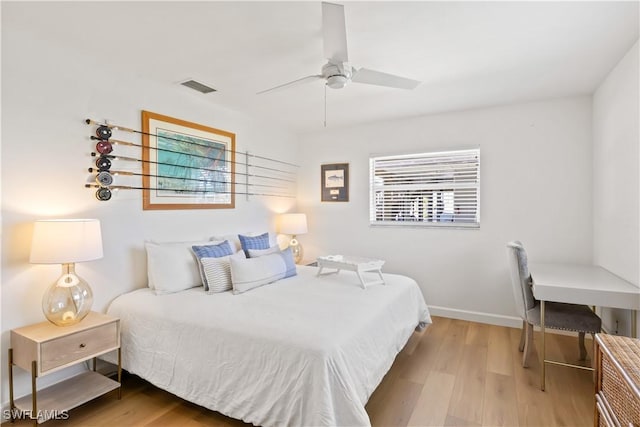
x=463, y=187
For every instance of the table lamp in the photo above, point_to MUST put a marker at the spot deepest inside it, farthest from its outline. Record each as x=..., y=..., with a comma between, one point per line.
x=294, y=224
x=66, y=241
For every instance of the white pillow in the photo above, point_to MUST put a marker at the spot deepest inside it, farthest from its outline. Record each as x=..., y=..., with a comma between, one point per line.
x=217, y=272
x=255, y=253
x=234, y=240
x=172, y=266
x=250, y=273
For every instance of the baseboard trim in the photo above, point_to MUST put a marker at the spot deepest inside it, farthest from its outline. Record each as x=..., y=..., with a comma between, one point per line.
x=476, y=316
x=490, y=319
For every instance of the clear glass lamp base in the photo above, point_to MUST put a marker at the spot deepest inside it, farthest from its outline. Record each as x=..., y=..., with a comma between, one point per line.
x=68, y=300
x=296, y=250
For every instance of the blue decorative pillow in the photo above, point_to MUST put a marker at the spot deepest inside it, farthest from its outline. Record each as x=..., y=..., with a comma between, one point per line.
x=287, y=257
x=213, y=251
x=254, y=242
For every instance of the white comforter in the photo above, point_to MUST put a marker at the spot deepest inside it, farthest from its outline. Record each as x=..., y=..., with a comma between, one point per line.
x=304, y=351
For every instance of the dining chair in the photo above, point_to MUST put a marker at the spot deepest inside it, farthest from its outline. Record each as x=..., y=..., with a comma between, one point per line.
x=569, y=317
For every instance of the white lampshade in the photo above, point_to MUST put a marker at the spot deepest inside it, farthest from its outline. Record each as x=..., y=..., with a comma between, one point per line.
x=66, y=241
x=293, y=223
x=63, y=241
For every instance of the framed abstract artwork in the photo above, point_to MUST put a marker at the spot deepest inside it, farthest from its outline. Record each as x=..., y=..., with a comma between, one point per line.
x=186, y=165
x=334, y=182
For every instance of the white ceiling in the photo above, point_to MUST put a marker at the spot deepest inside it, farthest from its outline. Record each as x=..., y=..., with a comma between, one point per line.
x=467, y=54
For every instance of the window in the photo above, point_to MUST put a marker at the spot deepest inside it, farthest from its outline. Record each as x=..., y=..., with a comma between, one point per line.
x=432, y=189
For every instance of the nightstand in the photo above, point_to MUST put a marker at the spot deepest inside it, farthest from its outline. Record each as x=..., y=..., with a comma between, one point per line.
x=44, y=348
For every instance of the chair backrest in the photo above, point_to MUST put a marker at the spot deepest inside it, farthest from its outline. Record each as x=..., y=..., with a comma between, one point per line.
x=520, y=278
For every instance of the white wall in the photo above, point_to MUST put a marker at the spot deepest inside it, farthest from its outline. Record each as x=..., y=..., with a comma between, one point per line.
x=535, y=186
x=616, y=138
x=47, y=91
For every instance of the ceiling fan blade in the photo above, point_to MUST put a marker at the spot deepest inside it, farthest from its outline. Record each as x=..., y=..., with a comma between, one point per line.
x=334, y=33
x=372, y=77
x=293, y=83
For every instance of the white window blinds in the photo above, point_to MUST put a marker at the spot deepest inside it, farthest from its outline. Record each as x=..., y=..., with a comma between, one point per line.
x=433, y=189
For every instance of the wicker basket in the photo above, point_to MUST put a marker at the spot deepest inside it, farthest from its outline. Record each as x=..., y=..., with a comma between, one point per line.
x=618, y=381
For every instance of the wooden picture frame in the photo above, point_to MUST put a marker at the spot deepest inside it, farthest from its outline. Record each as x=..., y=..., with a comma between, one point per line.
x=334, y=182
x=186, y=165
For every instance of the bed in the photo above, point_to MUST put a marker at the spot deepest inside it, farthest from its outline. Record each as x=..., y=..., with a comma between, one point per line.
x=302, y=351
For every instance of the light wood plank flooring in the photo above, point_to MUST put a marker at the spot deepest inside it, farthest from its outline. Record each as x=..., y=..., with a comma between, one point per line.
x=455, y=373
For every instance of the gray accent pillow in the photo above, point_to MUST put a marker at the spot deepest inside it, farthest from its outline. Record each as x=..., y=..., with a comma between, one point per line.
x=250, y=273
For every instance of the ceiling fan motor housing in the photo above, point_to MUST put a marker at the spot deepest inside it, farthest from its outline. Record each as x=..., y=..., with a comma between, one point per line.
x=337, y=76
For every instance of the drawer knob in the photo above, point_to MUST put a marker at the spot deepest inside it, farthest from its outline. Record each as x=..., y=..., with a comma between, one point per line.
x=83, y=345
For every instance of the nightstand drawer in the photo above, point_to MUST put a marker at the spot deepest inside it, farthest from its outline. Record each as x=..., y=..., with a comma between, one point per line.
x=78, y=346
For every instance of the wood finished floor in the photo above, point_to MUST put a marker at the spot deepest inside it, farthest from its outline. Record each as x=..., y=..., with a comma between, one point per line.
x=455, y=373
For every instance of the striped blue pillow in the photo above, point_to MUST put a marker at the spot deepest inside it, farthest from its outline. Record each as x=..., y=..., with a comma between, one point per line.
x=210, y=251
x=217, y=273
x=254, y=242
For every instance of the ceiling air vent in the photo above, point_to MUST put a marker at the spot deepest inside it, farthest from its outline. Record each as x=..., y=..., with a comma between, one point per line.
x=200, y=87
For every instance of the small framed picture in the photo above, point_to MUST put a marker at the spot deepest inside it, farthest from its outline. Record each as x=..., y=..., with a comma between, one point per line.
x=334, y=181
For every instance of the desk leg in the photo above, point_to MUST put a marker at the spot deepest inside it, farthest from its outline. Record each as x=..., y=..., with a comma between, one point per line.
x=543, y=355
x=634, y=323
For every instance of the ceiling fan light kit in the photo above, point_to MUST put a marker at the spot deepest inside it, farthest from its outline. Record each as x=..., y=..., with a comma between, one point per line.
x=337, y=81
x=337, y=73
x=337, y=77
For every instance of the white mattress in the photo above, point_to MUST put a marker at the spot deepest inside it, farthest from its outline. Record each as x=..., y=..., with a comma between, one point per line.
x=303, y=351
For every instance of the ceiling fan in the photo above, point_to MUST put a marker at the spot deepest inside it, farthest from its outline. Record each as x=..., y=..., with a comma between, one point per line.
x=337, y=72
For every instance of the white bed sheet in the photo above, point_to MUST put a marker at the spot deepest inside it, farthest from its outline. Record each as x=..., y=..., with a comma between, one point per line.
x=304, y=351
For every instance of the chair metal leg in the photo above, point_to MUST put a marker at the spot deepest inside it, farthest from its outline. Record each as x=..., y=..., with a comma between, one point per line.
x=522, y=335
x=583, y=349
x=543, y=365
x=528, y=345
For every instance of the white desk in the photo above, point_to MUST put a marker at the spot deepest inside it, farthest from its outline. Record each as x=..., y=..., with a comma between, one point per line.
x=581, y=284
